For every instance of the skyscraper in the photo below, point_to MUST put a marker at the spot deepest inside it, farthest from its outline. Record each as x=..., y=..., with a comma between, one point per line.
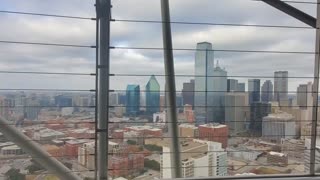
x=152, y=96
x=6, y=105
x=236, y=109
x=232, y=85
x=63, y=101
x=254, y=90
x=133, y=99
x=241, y=87
x=281, y=86
x=304, y=95
x=113, y=99
x=122, y=98
x=188, y=93
x=267, y=91
x=216, y=101
x=32, y=108
x=258, y=110
x=203, y=80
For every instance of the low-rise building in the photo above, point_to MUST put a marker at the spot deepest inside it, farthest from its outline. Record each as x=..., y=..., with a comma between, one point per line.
x=306, y=130
x=146, y=130
x=119, y=110
x=86, y=156
x=294, y=148
x=46, y=135
x=118, y=135
x=188, y=130
x=83, y=133
x=124, y=166
x=214, y=132
x=133, y=136
x=159, y=118
x=53, y=150
x=244, y=153
x=5, y=144
x=276, y=158
x=199, y=158
x=12, y=151
x=307, y=149
x=72, y=146
x=188, y=113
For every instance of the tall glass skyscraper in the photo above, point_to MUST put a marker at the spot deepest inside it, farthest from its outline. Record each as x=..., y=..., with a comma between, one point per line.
x=232, y=85
x=216, y=109
x=254, y=90
x=281, y=86
x=241, y=87
x=267, y=91
x=188, y=93
x=133, y=100
x=152, y=96
x=203, y=80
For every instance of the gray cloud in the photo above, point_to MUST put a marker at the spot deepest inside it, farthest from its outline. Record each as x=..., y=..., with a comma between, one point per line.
x=70, y=31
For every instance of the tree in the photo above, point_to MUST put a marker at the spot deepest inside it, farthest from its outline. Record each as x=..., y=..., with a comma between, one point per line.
x=152, y=164
x=131, y=142
x=14, y=174
x=152, y=147
x=88, y=178
x=33, y=168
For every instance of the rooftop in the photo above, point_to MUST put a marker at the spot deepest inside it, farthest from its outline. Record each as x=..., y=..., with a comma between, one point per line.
x=50, y=147
x=77, y=141
x=192, y=126
x=276, y=154
x=195, y=149
x=213, y=125
x=280, y=116
x=6, y=144
x=15, y=147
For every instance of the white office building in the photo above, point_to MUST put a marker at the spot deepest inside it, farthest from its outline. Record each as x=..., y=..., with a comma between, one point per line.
x=279, y=125
x=198, y=159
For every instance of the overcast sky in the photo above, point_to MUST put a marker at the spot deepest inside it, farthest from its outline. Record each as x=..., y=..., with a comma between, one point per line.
x=14, y=57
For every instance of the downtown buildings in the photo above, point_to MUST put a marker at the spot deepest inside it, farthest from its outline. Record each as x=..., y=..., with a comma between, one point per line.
x=152, y=96
x=234, y=86
x=203, y=81
x=210, y=86
x=281, y=86
x=304, y=95
x=254, y=90
x=236, y=111
x=198, y=159
x=188, y=93
x=267, y=91
x=258, y=110
x=133, y=100
x=279, y=125
x=216, y=104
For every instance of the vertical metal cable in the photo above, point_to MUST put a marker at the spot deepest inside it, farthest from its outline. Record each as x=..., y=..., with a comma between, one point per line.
x=104, y=7
x=170, y=90
x=207, y=89
x=315, y=96
x=96, y=98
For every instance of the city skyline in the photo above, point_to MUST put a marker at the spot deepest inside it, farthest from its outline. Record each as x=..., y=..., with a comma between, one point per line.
x=244, y=102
